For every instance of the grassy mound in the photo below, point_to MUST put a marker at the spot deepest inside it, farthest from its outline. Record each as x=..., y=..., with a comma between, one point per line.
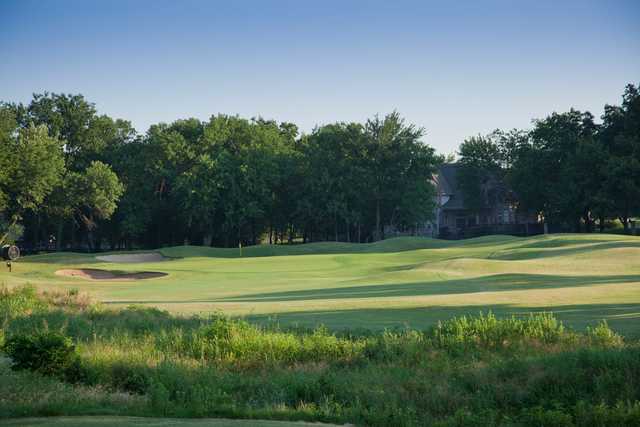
x=397, y=244
x=479, y=370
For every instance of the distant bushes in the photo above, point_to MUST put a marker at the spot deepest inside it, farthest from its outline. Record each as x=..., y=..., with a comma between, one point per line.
x=466, y=371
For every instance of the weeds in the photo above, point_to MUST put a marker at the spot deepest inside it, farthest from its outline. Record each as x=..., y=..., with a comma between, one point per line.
x=466, y=371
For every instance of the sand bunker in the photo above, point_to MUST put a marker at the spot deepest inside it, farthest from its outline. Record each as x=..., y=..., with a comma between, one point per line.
x=133, y=258
x=95, y=274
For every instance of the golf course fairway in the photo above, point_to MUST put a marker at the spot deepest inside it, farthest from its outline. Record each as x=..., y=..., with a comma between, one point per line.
x=406, y=281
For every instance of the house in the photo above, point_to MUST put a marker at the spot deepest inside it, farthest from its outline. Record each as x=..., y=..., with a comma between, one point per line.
x=498, y=215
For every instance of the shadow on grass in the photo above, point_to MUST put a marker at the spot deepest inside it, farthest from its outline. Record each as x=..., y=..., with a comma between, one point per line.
x=623, y=318
x=493, y=283
x=535, y=252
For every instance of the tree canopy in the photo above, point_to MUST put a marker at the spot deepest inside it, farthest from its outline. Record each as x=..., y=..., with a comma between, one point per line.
x=567, y=168
x=71, y=177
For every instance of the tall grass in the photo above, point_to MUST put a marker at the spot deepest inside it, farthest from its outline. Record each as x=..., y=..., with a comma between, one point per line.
x=479, y=370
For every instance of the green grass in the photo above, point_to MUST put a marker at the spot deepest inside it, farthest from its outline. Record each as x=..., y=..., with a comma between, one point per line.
x=432, y=365
x=393, y=283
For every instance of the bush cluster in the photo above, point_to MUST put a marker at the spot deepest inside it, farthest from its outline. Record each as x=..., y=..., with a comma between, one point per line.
x=46, y=352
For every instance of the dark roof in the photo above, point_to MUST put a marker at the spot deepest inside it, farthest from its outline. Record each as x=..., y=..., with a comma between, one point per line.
x=447, y=174
x=448, y=179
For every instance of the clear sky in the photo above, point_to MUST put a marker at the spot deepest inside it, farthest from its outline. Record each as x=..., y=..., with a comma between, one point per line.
x=456, y=68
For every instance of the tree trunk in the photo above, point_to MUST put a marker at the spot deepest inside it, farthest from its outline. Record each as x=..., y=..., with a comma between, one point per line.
x=74, y=236
x=36, y=231
x=253, y=232
x=625, y=223
x=59, y=235
x=90, y=242
x=348, y=231
x=378, y=233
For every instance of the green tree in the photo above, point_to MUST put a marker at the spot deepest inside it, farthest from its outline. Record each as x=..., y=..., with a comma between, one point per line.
x=620, y=136
x=392, y=146
x=86, y=137
x=480, y=170
x=31, y=165
x=551, y=173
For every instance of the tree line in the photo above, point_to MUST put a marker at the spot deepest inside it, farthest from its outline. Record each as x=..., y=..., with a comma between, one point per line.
x=573, y=173
x=71, y=177
x=75, y=178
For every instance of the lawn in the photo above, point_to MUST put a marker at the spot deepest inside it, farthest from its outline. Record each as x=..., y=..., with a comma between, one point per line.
x=397, y=282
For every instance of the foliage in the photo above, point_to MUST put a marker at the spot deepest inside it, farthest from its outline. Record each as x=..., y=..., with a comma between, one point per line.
x=478, y=370
x=486, y=331
x=19, y=301
x=567, y=169
x=50, y=160
x=31, y=166
x=480, y=160
x=46, y=352
x=89, y=180
x=98, y=190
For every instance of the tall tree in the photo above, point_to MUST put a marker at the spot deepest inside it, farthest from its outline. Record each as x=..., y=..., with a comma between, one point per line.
x=620, y=137
x=31, y=166
x=480, y=169
x=391, y=146
x=548, y=174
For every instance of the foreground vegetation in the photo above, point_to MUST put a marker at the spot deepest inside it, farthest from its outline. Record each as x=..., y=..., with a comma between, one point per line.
x=465, y=371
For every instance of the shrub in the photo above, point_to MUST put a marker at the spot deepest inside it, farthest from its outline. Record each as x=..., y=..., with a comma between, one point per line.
x=603, y=335
x=129, y=377
x=623, y=414
x=19, y=301
x=541, y=417
x=487, y=331
x=237, y=341
x=46, y=352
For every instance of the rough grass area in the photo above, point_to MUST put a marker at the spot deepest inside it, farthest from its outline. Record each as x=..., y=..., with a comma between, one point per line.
x=466, y=371
x=106, y=421
x=393, y=283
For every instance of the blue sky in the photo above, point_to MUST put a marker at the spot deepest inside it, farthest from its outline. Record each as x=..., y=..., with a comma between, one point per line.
x=456, y=68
